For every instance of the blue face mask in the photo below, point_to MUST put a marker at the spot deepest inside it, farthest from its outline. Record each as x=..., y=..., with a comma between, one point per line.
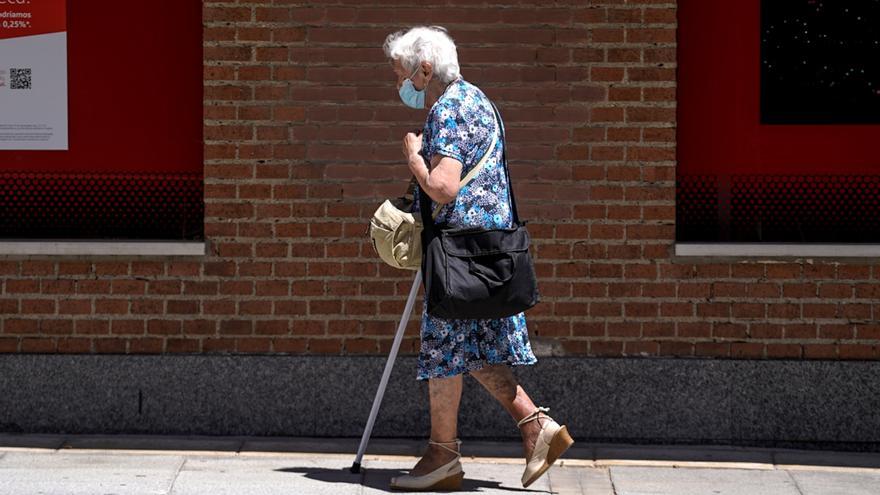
x=410, y=96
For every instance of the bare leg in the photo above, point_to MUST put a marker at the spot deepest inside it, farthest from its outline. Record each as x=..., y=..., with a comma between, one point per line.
x=445, y=396
x=500, y=382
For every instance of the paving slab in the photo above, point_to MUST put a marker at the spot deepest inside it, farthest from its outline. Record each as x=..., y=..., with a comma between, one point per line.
x=577, y=481
x=33, y=473
x=700, y=481
x=264, y=476
x=837, y=482
x=479, y=477
x=181, y=465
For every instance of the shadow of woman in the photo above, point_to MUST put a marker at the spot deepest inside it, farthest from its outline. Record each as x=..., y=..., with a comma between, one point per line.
x=378, y=479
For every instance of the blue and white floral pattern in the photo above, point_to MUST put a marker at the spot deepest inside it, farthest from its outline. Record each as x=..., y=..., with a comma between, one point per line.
x=461, y=125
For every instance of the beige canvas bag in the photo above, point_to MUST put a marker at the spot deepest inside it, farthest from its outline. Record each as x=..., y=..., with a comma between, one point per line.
x=397, y=234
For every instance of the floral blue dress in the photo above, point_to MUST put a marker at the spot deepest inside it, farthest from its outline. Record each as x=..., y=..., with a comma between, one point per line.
x=461, y=125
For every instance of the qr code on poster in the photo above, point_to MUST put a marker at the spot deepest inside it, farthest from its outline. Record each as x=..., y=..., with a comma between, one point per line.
x=20, y=78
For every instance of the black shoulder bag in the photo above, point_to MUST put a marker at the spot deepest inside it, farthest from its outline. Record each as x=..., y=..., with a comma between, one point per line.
x=477, y=273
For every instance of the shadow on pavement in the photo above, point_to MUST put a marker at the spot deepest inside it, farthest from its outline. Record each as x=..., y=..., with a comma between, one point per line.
x=378, y=479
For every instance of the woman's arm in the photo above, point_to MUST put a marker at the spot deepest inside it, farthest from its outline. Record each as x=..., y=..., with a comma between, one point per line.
x=441, y=182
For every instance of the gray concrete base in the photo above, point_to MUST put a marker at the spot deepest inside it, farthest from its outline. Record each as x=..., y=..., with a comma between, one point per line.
x=821, y=404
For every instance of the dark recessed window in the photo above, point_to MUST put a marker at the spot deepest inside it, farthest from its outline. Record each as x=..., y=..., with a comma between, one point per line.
x=820, y=61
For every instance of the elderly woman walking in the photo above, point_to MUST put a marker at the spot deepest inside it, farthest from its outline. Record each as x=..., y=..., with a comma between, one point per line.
x=460, y=127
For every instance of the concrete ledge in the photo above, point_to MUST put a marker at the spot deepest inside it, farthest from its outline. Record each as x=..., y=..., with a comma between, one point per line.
x=770, y=403
x=102, y=248
x=816, y=250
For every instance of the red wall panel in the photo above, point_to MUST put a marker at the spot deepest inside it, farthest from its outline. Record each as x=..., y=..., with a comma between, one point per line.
x=134, y=168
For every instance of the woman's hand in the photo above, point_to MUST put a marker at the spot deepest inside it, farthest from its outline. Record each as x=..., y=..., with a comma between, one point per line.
x=441, y=179
x=412, y=144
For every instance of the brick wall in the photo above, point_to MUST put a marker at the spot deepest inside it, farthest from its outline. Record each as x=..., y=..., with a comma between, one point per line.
x=303, y=129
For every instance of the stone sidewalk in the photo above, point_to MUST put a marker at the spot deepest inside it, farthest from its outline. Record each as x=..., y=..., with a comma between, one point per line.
x=131, y=464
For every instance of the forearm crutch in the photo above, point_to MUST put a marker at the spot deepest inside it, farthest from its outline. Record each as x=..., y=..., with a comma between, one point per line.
x=377, y=401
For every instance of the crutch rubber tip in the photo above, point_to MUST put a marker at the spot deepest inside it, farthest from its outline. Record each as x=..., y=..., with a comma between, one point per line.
x=355, y=468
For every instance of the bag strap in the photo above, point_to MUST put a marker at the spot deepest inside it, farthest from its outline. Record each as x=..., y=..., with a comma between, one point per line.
x=513, y=208
x=425, y=199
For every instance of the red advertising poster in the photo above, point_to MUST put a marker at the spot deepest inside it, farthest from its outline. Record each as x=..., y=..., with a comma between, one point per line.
x=33, y=75
x=131, y=164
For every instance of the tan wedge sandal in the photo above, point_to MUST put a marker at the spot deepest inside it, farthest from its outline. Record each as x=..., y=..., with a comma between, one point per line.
x=552, y=441
x=445, y=477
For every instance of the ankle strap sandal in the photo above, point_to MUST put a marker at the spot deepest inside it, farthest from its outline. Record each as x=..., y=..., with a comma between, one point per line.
x=552, y=441
x=446, y=477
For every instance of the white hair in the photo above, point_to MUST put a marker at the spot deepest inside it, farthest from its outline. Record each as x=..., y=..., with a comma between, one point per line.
x=424, y=44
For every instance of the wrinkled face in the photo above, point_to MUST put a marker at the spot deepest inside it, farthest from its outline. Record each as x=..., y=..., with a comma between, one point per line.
x=419, y=80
